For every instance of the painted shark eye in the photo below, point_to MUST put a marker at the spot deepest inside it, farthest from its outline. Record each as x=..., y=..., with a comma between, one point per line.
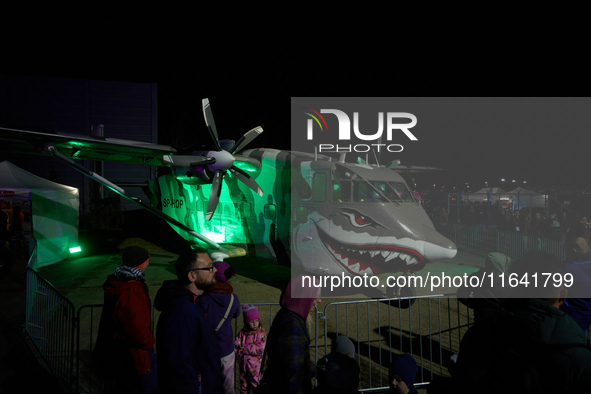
x=362, y=220
x=358, y=220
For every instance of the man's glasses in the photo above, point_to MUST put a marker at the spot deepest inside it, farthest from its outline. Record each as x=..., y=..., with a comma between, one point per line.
x=210, y=269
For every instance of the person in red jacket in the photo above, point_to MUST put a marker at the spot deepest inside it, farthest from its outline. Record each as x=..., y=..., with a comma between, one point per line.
x=125, y=343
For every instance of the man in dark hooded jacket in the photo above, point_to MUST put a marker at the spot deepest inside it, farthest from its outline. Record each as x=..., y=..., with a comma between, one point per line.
x=287, y=353
x=125, y=343
x=188, y=359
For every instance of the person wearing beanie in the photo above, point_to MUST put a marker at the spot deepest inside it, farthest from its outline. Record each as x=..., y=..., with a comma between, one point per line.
x=221, y=306
x=401, y=374
x=287, y=354
x=250, y=346
x=125, y=343
x=338, y=372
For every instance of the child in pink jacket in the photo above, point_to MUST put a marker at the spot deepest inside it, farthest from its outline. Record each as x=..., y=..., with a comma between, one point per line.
x=250, y=346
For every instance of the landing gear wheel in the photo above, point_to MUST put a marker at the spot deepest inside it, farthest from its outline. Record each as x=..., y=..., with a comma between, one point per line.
x=402, y=292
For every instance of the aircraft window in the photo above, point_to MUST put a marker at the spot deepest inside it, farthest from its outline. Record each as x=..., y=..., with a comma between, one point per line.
x=364, y=192
x=341, y=191
x=269, y=211
x=402, y=191
x=319, y=191
x=381, y=191
x=301, y=215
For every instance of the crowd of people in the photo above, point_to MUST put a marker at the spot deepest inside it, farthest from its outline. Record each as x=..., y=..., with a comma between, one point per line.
x=556, y=226
x=527, y=339
x=536, y=341
x=194, y=349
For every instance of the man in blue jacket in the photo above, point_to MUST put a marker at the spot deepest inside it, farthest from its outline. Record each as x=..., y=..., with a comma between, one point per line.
x=188, y=359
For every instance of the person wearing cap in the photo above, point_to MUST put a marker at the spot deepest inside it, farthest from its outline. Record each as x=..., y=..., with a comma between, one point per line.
x=401, y=374
x=188, y=358
x=125, y=343
x=338, y=372
x=221, y=306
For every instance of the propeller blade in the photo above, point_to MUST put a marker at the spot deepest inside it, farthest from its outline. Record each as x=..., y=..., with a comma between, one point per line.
x=246, y=139
x=210, y=123
x=187, y=160
x=247, y=180
x=254, y=163
x=214, y=195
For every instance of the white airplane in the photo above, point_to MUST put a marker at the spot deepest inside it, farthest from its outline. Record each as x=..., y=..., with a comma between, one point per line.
x=319, y=213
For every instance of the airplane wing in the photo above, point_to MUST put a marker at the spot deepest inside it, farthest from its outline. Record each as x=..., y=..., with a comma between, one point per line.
x=78, y=146
x=396, y=166
x=229, y=250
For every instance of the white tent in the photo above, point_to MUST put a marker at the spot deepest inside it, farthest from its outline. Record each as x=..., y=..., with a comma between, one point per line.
x=523, y=198
x=54, y=211
x=483, y=195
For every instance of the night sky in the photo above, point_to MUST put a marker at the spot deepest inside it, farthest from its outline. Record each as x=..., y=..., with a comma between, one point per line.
x=250, y=76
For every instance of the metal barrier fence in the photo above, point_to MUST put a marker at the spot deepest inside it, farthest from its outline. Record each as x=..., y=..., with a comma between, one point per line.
x=430, y=330
x=88, y=379
x=49, y=322
x=482, y=239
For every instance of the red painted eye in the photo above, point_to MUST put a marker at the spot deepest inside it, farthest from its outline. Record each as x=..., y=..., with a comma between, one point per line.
x=362, y=220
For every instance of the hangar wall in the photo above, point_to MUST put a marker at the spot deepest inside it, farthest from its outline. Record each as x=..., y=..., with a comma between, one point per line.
x=127, y=111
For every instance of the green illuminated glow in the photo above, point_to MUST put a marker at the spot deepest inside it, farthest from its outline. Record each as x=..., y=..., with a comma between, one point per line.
x=246, y=166
x=75, y=249
x=226, y=226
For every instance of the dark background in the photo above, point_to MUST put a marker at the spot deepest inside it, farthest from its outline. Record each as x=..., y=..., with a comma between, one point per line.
x=249, y=71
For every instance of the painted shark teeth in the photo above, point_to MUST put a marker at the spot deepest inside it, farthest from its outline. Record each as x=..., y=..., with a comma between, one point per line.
x=356, y=260
x=392, y=256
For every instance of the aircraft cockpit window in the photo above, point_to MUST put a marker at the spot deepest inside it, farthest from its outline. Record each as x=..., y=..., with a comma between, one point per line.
x=381, y=192
x=369, y=191
x=402, y=191
x=342, y=190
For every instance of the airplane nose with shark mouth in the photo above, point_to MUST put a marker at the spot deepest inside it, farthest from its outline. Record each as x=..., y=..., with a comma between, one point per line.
x=415, y=231
x=404, y=240
x=438, y=247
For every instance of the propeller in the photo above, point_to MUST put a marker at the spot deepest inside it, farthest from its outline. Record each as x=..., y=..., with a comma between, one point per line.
x=224, y=160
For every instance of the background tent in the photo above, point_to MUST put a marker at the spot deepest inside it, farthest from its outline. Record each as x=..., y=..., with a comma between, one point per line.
x=494, y=194
x=523, y=198
x=54, y=211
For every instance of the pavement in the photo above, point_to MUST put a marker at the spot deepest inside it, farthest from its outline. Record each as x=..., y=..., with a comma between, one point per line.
x=80, y=280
